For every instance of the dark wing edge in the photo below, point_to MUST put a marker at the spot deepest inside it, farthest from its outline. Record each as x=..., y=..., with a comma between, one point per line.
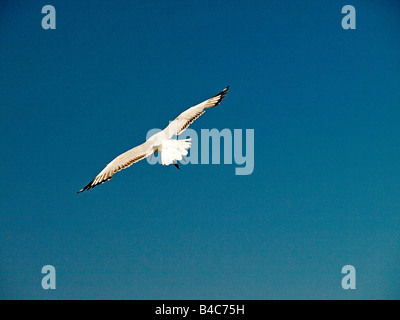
x=221, y=95
x=91, y=185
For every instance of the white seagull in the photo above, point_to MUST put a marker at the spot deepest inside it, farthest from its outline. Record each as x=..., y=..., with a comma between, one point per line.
x=172, y=150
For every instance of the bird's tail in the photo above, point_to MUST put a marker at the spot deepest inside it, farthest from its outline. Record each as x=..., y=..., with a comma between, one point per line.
x=174, y=150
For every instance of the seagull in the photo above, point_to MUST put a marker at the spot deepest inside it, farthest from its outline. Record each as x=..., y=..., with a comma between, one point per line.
x=171, y=150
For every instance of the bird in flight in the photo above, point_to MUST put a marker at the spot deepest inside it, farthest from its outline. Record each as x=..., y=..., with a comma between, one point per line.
x=171, y=150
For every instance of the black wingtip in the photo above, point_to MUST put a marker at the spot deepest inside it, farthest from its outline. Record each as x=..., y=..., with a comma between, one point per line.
x=221, y=95
x=223, y=92
x=176, y=165
x=84, y=189
x=88, y=187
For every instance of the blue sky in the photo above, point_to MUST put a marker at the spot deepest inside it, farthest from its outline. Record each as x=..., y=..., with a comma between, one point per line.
x=323, y=103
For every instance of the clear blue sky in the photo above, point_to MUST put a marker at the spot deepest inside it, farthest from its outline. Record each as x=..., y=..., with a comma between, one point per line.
x=325, y=106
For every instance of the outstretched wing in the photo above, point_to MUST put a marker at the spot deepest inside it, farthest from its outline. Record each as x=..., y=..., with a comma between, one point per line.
x=123, y=161
x=183, y=121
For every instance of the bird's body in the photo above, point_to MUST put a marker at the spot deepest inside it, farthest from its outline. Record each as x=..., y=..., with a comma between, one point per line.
x=172, y=150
